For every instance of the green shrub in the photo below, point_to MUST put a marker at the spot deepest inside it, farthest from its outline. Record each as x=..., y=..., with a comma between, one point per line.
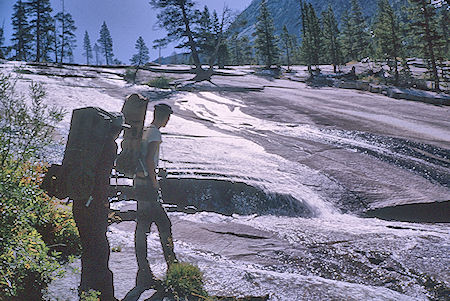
x=161, y=82
x=91, y=295
x=185, y=281
x=27, y=264
x=130, y=75
x=31, y=225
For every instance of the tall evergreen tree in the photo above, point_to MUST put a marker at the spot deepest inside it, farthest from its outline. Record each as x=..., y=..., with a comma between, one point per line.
x=2, y=40
x=387, y=35
x=97, y=51
x=87, y=48
x=210, y=37
x=306, y=48
x=56, y=42
x=287, y=45
x=355, y=37
x=141, y=57
x=428, y=41
x=205, y=34
x=311, y=35
x=42, y=27
x=178, y=17
x=332, y=47
x=106, y=44
x=444, y=22
x=360, y=30
x=240, y=50
x=21, y=37
x=67, y=34
x=236, y=51
x=159, y=44
x=266, y=40
x=347, y=38
x=247, y=50
x=220, y=51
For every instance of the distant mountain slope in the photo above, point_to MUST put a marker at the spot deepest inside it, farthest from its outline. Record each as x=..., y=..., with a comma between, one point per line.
x=287, y=12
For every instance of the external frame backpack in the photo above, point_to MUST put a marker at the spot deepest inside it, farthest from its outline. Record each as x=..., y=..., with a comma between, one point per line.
x=134, y=110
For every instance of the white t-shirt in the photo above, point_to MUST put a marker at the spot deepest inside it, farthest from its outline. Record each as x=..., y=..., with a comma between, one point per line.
x=151, y=134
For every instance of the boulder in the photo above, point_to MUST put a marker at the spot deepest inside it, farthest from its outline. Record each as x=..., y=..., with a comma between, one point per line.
x=364, y=86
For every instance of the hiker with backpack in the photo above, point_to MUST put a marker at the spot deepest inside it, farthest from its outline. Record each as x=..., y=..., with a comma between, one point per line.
x=149, y=208
x=84, y=178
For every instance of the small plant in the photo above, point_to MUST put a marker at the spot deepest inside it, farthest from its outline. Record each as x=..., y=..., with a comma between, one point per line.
x=116, y=249
x=91, y=295
x=161, y=82
x=130, y=75
x=185, y=282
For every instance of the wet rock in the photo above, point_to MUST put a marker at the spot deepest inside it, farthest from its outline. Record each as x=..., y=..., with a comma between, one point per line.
x=417, y=95
x=364, y=86
x=229, y=198
x=346, y=84
x=436, y=212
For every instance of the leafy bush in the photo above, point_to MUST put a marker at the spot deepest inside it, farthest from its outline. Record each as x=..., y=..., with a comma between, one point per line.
x=185, y=282
x=35, y=236
x=25, y=129
x=91, y=295
x=161, y=82
x=130, y=75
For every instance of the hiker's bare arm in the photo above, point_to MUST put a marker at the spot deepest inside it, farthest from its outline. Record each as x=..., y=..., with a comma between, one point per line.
x=151, y=151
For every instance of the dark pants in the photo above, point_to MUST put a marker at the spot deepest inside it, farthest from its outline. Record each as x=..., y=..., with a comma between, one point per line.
x=150, y=211
x=92, y=223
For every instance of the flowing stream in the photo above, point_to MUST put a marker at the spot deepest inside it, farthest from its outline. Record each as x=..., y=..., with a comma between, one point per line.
x=280, y=196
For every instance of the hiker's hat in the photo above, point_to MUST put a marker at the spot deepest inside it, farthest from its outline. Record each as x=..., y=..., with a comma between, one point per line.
x=118, y=121
x=163, y=108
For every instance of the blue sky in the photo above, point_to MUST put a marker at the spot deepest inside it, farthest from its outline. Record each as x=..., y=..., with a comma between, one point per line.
x=126, y=20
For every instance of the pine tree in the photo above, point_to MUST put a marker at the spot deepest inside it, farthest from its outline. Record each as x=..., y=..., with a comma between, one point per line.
x=56, y=42
x=159, y=44
x=177, y=17
x=287, y=45
x=306, y=48
x=97, y=51
x=387, y=35
x=42, y=27
x=205, y=35
x=220, y=51
x=87, y=47
x=444, y=22
x=332, y=47
x=428, y=41
x=21, y=37
x=359, y=26
x=311, y=36
x=240, y=50
x=141, y=57
x=106, y=44
x=236, y=50
x=66, y=35
x=347, y=38
x=266, y=41
x=247, y=50
x=355, y=37
x=2, y=40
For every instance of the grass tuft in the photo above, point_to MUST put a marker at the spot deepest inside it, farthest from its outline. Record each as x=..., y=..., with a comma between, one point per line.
x=161, y=82
x=185, y=282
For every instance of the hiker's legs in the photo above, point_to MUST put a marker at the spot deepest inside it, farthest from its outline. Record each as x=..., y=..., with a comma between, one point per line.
x=92, y=223
x=165, y=234
x=149, y=211
x=143, y=224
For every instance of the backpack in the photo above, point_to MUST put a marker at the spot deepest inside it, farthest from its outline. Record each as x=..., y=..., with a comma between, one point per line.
x=134, y=110
x=89, y=129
